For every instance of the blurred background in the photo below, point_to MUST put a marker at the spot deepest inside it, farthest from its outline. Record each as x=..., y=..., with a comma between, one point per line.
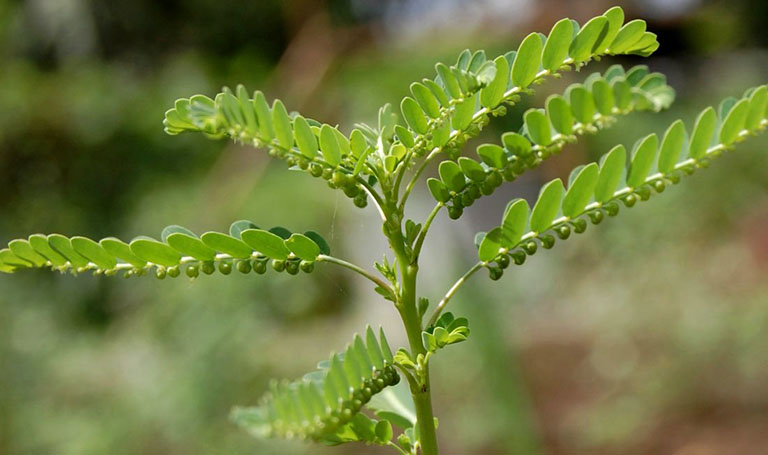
x=647, y=334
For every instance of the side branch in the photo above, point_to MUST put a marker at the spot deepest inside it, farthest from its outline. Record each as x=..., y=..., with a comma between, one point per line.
x=378, y=281
x=453, y=291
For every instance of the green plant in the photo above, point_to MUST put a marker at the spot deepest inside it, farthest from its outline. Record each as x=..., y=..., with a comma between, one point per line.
x=383, y=164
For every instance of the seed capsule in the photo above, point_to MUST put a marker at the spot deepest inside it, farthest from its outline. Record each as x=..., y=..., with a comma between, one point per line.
x=579, y=225
x=530, y=248
x=518, y=256
x=466, y=199
x=160, y=273
x=173, y=271
x=644, y=192
x=547, y=241
x=307, y=266
x=208, y=267
x=193, y=271
x=495, y=273
x=596, y=217
x=503, y=261
x=659, y=186
x=455, y=212
x=292, y=267
x=674, y=178
x=260, y=266
x=611, y=208
x=630, y=200
x=225, y=267
x=563, y=231
x=316, y=170
x=244, y=266
x=327, y=174
x=278, y=265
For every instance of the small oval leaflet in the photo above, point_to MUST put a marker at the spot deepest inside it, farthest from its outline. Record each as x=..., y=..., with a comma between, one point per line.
x=303, y=247
x=156, y=252
x=266, y=243
x=547, y=205
x=93, y=252
x=226, y=244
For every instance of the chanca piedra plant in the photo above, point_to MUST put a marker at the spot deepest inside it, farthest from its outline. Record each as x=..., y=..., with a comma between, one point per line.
x=353, y=395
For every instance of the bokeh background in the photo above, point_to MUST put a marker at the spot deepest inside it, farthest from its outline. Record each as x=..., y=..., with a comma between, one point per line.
x=646, y=335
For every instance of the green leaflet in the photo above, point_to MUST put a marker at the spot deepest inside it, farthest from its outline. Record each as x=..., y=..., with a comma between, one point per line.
x=303, y=247
x=537, y=125
x=643, y=157
x=611, y=172
x=282, y=125
x=451, y=175
x=527, y=61
x=329, y=145
x=490, y=245
x=305, y=138
x=93, y=252
x=264, y=115
x=582, y=104
x=325, y=405
x=514, y=222
x=628, y=35
x=493, y=93
x=734, y=122
x=556, y=48
x=153, y=251
x=585, y=42
x=671, y=146
x=580, y=191
x=40, y=244
x=547, y=205
x=559, y=112
x=492, y=155
x=426, y=99
x=63, y=246
x=266, y=243
x=414, y=115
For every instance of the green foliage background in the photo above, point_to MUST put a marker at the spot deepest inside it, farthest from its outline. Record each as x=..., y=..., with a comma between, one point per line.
x=646, y=334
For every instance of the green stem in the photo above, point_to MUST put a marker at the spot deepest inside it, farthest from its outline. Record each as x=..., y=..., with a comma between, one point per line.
x=453, y=291
x=406, y=305
x=357, y=269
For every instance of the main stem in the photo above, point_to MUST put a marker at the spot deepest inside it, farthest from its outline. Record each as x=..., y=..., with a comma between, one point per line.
x=406, y=305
